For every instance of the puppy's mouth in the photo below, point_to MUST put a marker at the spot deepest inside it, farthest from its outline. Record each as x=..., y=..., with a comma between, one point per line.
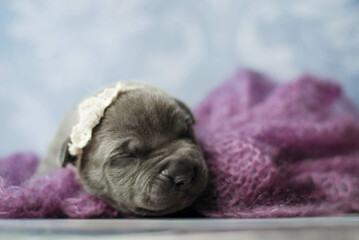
x=176, y=186
x=166, y=205
x=165, y=198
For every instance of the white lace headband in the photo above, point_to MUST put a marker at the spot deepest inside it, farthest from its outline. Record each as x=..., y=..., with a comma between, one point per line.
x=90, y=111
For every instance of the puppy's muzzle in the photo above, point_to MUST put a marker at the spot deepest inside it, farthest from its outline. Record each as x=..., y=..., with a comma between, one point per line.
x=179, y=174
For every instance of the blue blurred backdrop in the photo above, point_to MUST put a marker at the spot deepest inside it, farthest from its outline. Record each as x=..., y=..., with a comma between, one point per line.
x=52, y=53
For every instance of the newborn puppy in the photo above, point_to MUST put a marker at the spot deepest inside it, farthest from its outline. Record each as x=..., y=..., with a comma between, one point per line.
x=142, y=156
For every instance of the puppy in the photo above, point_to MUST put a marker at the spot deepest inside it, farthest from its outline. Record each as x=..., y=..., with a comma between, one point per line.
x=141, y=156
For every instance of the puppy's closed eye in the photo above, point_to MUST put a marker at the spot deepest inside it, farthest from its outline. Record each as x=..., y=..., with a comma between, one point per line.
x=122, y=160
x=126, y=153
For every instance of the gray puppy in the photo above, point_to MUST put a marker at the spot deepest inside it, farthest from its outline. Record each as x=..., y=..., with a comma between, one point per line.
x=142, y=157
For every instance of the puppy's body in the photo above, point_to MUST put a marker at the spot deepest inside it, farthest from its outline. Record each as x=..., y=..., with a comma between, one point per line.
x=142, y=157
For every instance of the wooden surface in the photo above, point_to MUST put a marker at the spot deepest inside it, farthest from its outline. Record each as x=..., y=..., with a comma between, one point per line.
x=293, y=228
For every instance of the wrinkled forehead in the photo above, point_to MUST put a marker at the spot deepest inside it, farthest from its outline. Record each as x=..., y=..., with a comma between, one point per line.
x=145, y=114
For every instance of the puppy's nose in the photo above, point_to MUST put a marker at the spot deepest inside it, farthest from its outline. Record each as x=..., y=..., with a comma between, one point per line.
x=180, y=173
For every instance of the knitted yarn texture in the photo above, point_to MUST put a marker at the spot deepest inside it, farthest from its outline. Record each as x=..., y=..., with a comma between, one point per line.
x=278, y=150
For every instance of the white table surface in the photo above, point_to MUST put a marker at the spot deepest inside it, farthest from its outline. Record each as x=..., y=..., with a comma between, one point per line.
x=284, y=228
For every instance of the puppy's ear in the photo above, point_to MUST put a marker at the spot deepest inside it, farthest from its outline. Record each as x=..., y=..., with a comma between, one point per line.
x=187, y=111
x=65, y=156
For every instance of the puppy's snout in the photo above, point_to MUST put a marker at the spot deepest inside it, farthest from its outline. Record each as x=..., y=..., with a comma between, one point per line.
x=180, y=174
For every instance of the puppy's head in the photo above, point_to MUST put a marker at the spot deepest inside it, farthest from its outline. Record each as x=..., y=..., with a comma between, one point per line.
x=143, y=157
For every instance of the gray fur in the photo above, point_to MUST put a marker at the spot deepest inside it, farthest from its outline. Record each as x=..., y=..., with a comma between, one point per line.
x=141, y=134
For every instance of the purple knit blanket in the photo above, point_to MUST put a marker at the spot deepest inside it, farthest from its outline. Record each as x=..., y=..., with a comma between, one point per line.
x=272, y=151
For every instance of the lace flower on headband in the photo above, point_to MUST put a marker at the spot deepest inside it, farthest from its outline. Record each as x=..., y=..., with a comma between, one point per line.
x=90, y=111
